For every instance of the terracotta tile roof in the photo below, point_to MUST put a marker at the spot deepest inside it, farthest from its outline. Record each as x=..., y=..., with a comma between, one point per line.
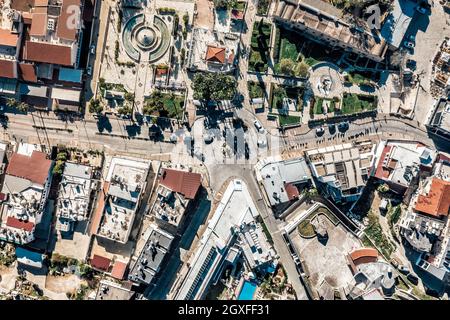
x=437, y=202
x=291, y=190
x=34, y=168
x=7, y=38
x=186, y=183
x=381, y=173
x=27, y=72
x=119, y=269
x=8, y=69
x=363, y=255
x=47, y=53
x=100, y=262
x=214, y=54
x=19, y=224
x=38, y=25
x=27, y=17
x=65, y=29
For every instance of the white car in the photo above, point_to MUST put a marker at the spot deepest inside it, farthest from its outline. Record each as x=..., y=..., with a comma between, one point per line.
x=93, y=49
x=261, y=143
x=258, y=126
x=320, y=131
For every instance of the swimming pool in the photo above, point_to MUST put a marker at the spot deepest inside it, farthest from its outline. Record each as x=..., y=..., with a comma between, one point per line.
x=247, y=291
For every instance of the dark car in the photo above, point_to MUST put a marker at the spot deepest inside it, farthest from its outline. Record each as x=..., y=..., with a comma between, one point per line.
x=246, y=151
x=411, y=64
x=343, y=126
x=413, y=278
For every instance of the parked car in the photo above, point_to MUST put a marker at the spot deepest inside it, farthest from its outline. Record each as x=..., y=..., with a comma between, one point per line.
x=320, y=131
x=246, y=150
x=89, y=71
x=343, y=126
x=258, y=126
x=413, y=278
x=403, y=269
x=93, y=49
x=261, y=143
x=332, y=128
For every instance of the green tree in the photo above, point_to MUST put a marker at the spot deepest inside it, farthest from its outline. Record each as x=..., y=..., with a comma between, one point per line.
x=129, y=96
x=302, y=70
x=287, y=66
x=59, y=167
x=225, y=4
x=125, y=110
x=95, y=106
x=214, y=86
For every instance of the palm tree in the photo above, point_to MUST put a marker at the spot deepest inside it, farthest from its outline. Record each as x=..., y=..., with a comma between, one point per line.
x=11, y=102
x=23, y=107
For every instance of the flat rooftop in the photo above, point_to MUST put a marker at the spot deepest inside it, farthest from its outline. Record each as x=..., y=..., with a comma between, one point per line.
x=151, y=257
x=126, y=178
x=280, y=176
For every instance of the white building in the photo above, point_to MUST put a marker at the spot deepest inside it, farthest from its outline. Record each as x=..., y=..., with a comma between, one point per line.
x=74, y=195
x=232, y=229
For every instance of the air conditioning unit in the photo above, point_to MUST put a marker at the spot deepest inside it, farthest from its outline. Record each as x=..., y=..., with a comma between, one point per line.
x=51, y=24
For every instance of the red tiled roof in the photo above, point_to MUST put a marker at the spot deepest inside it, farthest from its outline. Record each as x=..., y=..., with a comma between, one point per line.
x=119, y=269
x=364, y=255
x=38, y=24
x=100, y=262
x=291, y=191
x=64, y=29
x=437, y=202
x=186, y=183
x=7, y=38
x=34, y=168
x=381, y=173
x=7, y=69
x=215, y=54
x=47, y=53
x=27, y=72
x=19, y=224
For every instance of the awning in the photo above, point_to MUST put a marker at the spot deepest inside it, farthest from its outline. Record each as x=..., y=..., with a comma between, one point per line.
x=35, y=91
x=65, y=94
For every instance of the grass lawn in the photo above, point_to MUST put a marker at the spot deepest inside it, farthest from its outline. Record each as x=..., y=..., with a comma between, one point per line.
x=287, y=120
x=306, y=229
x=353, y=103
x=256, y=90
x=318, y=109
x=259, y=53
x=174, y=105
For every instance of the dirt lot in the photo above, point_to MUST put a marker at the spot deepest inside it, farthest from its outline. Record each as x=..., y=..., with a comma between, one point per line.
x=205, y=15
x=327, y=261
x=63, y=284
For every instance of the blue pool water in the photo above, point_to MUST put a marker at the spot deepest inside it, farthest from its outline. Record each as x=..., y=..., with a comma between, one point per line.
x=247, y=291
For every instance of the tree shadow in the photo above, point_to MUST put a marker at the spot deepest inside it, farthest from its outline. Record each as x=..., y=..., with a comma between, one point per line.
x=103, y=123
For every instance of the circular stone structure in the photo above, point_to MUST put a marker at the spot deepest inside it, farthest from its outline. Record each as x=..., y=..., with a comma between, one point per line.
x=326, y=81
x=146, y=38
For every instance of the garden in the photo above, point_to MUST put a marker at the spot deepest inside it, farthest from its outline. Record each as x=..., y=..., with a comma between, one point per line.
x=291, y=46
x=259, y=52
x=324, y=105
x=374, y=232
x=355, y=103
x=281, y=92
x=256, y=89
x=168, y=105
x=263, y=7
